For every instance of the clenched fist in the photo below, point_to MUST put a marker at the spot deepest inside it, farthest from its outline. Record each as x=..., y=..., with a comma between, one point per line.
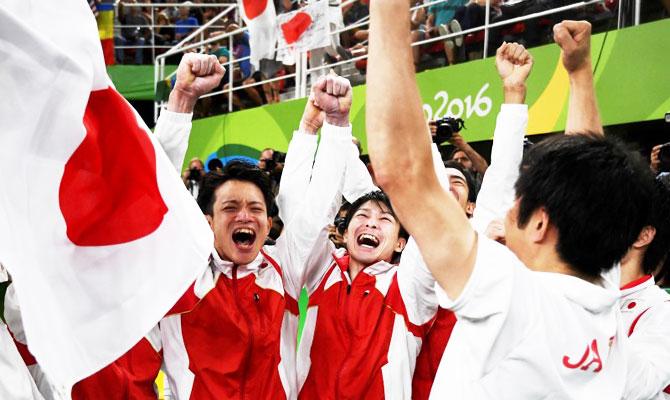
x=197, y=75
x=333, y=95
x=574, y=39
x=514, y=64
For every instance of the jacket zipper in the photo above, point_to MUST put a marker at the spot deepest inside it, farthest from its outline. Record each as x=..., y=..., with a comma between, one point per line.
x=251, y=335
x=349, y=331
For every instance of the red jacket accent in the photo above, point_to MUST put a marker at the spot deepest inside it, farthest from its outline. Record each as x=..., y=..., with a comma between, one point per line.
x=431, y=353
x=131, y=376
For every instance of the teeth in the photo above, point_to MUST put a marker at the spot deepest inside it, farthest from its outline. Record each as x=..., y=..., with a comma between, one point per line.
x=244, y=230
x=369, y=237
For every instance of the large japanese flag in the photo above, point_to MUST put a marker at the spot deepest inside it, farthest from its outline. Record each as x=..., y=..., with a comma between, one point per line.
x=260, y=16
x=97, y=230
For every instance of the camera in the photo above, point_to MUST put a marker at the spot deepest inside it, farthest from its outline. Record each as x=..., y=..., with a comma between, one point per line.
x=194, y=174
x=446, y=127
x=667, y=117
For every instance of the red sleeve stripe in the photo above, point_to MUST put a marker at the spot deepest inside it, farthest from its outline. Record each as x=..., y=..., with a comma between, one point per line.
x=632, y=326
x=397, y=304
x=26, y=355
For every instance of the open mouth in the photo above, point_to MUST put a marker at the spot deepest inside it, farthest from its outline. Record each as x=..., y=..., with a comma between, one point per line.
x=368, y=241
x=244, y=237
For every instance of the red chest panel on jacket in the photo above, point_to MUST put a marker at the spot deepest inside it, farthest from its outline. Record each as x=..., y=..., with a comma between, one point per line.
x=233, y=339
x=431, y=353
x=351, y=341
x=132, y=376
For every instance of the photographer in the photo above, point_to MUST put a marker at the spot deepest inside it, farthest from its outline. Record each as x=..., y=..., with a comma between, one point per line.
x=448, y=130
x=272, y=162
x=193, y=176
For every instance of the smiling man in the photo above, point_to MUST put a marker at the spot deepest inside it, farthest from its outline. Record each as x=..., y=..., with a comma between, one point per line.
x=234, y=333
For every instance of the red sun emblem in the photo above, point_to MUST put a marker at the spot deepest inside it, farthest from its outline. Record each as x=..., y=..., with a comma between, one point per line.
x=296, y=26
x=109, y=191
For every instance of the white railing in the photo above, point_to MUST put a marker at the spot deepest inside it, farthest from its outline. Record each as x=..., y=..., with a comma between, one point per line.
x=303, y=71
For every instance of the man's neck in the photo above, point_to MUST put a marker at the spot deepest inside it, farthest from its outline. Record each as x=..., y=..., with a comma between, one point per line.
x=551, y=262
x=631, y=268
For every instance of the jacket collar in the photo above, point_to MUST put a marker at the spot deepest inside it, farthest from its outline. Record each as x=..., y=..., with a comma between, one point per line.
x=637, y=285
x=226, y=267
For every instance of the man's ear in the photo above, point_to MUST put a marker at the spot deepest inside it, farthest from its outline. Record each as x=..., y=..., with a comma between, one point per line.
x=210, y=221
x=400, y=245
x=470, y=208
x=646, y=236
x=538, y=225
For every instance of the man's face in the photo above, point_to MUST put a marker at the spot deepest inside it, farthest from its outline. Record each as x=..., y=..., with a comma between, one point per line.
x=240, y=221
x=197, y=164
x=266, y=155
x=373, y=234
x=462, y=158
x=184, y=12
x=458, y=186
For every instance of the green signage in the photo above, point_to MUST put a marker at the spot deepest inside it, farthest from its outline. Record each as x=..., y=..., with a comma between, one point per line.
x=631, y=76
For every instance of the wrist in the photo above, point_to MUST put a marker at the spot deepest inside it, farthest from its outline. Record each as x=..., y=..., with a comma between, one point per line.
x=582, y=74
x=338, y=120
x=181, y=101
x=309, y=126
x=514, y=93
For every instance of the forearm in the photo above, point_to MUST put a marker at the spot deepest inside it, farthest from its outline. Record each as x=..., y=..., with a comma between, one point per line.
x=296, y=173
x=583, y=114
x=400, y=145
x=172, y=131
x=479, y=164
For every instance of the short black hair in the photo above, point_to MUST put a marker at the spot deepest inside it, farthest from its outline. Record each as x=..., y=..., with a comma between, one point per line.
x=469, y=179
x=657, y=252
x=596, y=193
x=376, y=196
x=239, y=171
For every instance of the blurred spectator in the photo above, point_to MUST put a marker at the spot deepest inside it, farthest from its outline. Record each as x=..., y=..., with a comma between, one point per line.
x=438, y=20
x=193, y=176
x=163, y=34
x=272, y=163
x=185, y=23
x=134, y=33
x=336, y=229
x=473, y=15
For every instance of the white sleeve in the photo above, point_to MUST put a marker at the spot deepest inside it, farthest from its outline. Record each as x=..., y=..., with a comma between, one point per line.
x=307, y=231
x=648, y=350
x=496, y=195
x=417, y=285
x=172, y=131
x=357, y=179
x=496, y=277
x=296, y=174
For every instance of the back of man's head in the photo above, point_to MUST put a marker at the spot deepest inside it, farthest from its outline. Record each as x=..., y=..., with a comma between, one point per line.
x=595, y=192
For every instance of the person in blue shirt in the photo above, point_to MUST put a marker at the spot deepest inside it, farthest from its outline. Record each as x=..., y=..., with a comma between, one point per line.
x=185, y=23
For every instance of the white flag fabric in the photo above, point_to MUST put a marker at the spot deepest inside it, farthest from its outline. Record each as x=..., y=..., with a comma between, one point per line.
x=305, y=29
x=98, y=232
x=260, y=17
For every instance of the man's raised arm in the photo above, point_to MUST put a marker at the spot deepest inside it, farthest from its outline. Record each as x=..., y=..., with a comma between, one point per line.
x=399, y=145
x=574, y=38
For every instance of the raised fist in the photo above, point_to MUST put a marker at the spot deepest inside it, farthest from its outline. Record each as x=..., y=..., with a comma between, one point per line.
x=514, y=64
x=574, y=39
x=333, y=95
x=198, y=74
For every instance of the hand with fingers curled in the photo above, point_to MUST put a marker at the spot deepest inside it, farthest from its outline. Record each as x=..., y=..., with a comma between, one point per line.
x=333, y=95
x=514, y=64
x=197, y=75
x=574, y=39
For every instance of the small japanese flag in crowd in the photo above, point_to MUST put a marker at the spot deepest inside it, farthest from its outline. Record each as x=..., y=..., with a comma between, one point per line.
x=305, y=29
x=260, y=16
x=98, y=232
